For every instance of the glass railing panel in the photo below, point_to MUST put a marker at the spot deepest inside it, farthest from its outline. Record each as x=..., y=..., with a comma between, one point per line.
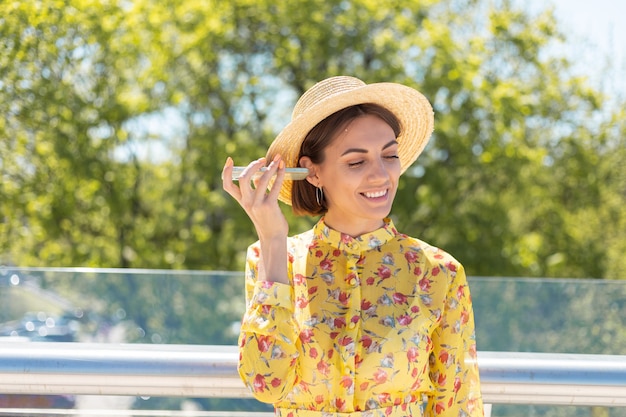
x=550, y=315
x=121, y=306
x=205, y=307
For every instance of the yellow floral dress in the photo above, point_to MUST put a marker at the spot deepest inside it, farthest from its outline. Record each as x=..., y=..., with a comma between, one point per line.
x=379, y=325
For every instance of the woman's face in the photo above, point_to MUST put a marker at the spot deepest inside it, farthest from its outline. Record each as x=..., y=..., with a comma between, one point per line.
x=359, y=175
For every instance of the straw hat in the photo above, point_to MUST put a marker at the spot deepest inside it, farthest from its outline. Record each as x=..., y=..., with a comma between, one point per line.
x=336, y=93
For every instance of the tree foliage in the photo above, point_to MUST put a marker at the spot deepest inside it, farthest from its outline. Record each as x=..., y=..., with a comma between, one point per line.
x=118, y=116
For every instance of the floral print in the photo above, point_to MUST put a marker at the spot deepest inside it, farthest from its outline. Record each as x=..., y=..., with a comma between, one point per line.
x=379, y=325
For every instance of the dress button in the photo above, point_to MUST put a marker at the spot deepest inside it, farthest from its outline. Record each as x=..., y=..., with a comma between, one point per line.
x=352, y=281
x=351, y=325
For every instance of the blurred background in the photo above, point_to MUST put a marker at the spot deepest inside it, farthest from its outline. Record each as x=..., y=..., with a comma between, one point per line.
x=117, y=118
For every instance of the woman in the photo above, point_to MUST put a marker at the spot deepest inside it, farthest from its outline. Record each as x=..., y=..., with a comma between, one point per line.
x=351, y=318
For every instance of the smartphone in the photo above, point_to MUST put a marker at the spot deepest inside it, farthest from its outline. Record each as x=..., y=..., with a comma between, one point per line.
x=292, y=174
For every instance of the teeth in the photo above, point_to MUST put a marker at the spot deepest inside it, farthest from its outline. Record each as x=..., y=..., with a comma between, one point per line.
x=375, y=194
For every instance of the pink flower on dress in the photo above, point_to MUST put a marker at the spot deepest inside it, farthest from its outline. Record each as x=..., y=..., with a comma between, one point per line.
x=326, y=264
x=299, y=279
x=306, y=335
x=383, y=397
x=457, y=384
x=302, y=302
x=340, y=403
x=412, y=354
x=399, y=298
x=259, y=384
x=380, y=376
x=345, y=340
x=424, y=284
x=366, y=341
x=460, y=292
x=343, y=298
x=346, y=382
x=384, y=272
x=346, y=239
x=464, y=316
x=323, y=368
x=339, y=322
x=442, y=379
x=410, y=256
x=405, y=320
x=264, y=342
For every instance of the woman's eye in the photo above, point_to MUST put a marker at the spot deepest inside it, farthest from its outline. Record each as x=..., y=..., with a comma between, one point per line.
x=355, y=164
x=392, y=157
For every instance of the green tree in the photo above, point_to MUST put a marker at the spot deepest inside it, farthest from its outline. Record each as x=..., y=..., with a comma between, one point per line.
x=522, y=177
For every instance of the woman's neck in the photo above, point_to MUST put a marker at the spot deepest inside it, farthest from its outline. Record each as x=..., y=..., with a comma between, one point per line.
x=353, y=229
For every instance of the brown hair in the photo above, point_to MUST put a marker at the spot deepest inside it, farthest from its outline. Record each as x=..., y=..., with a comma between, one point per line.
x=303, y=199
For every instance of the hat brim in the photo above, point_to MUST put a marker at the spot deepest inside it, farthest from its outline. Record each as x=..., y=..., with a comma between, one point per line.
x=412, y=109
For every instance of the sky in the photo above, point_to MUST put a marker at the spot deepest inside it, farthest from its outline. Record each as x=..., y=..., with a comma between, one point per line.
x=595, y=23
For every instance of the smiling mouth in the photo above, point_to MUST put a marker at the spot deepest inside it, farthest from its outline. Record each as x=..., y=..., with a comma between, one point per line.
x=375, y=194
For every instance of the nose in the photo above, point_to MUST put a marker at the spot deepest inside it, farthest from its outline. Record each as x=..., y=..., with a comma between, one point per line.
x=378, y=171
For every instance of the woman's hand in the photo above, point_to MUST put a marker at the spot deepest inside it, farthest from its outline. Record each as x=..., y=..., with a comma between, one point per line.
x=261, y=206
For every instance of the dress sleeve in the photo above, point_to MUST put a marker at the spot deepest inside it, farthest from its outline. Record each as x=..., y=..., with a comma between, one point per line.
x=453, y=361
x=267, y=342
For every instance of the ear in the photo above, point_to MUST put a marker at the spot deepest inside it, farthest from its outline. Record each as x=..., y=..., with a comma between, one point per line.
x=312, y=178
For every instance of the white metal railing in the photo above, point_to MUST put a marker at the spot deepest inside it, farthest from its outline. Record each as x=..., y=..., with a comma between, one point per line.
x=210, y=371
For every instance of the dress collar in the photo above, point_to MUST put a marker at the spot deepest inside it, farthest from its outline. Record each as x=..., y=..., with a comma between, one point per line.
x=359, y=244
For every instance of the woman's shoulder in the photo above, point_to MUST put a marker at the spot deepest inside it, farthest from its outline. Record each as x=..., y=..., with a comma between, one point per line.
x=414, y=247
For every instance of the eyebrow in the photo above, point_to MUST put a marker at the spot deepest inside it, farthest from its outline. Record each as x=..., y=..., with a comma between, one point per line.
x=361, y=150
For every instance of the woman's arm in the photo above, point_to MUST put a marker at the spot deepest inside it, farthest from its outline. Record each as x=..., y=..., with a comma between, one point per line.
x=267, y=342
x=262, y=208
x=269, y=335
x=453, y=366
